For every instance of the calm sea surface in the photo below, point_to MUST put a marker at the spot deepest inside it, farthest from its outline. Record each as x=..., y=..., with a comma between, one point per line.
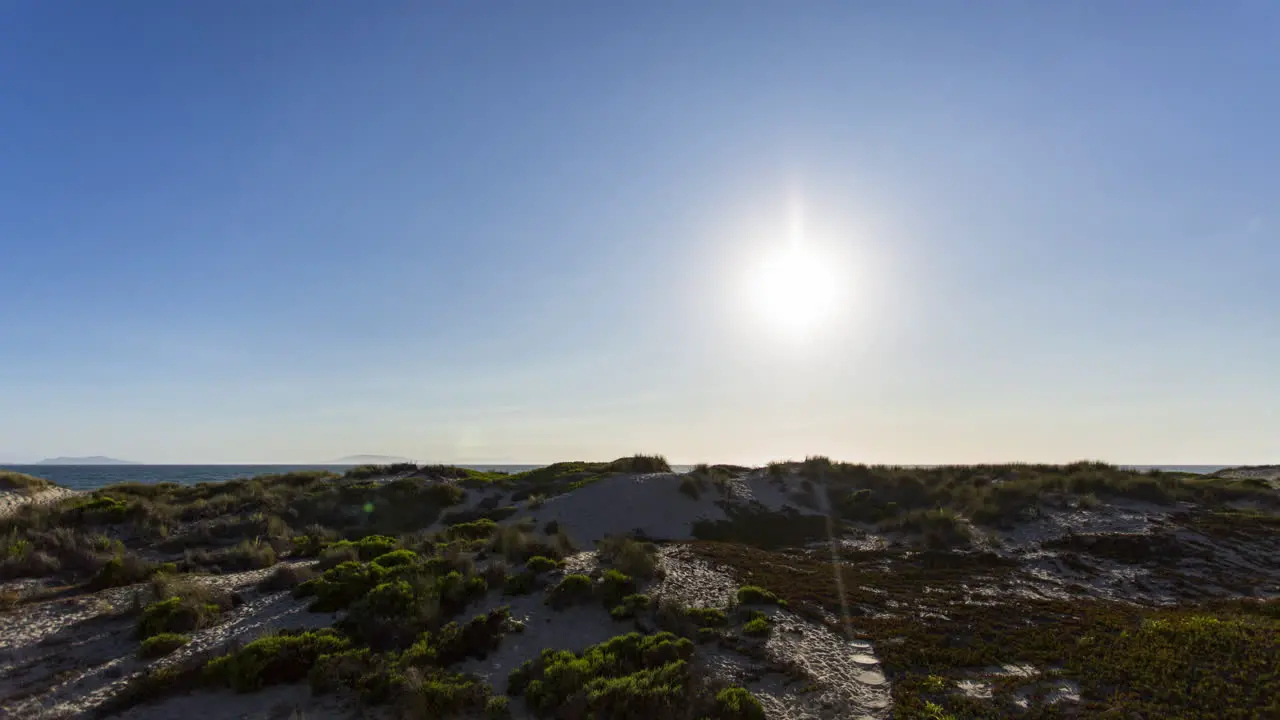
x=88, y=477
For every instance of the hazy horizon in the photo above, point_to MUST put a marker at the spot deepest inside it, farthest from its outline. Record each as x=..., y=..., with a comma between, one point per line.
x=884, y=232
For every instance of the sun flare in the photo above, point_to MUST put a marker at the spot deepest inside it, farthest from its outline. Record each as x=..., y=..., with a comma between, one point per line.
x=793, y=290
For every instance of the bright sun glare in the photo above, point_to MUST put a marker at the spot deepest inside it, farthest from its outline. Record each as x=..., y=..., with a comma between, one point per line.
x=792, y=288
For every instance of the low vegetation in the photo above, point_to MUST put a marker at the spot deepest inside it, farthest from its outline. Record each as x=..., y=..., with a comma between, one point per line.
x=571, y=590
x=181, y=606
x=629, y=676
x=636, y=558
x=920, y=612
x=161, y=645
x=274, y=659
x=22, y=482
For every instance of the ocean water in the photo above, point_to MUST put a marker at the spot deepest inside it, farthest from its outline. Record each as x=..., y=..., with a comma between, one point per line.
x=88, y=477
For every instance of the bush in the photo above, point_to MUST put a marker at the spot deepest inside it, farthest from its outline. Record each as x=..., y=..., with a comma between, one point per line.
x=274, y=659
x=177, y=615
x=754, y=595
x=707, y=617
x=454, y=643
x=309, y=546
x=939, y=528
x=614, y=586
x=573, y=589
x=161, y=645
x=690, y=486
x=396, y=558
x=630, y=606
x=640, y=464
x=627, y=676
x=244, y=556
x=476, y=530
x=368, y=547
x=364, y=472
x=436, y=694
x=340, y=586
x=520, y=584
x=735, y=703
x=498, y=708
x=633, y=557
x=23, y=483
x=123, y=569
x=286, y=577
x=540, y=564
x=337, y=670
x=758, y=624
x=333, y=556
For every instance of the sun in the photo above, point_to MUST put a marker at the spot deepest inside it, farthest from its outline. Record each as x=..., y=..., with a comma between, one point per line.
x=793, y=289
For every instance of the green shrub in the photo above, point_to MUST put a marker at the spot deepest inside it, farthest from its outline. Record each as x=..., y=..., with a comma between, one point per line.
x=627, y=676
x=456, y=642
x=161, y=645
x=246, y=555
x=432, y=693
x=364, y=472
x=615, y=585
x=630, y=606
x=339, y=670
x=571, y=590
x=735, y=703
x=396, y=558
x=123, y=569
x=27, y=484
x=707, y=617
x=757, y=625
x=477, y=530
x=939, y=528
x=640, y=464
x=520, y=584
x=633, y=557
x=309, y=546
x=540, y=564
x=341, y=586
x=335, y=555
x=498, y=708
x=185, y=606
x=368, y=547
x=274, y=659
x=754, y=595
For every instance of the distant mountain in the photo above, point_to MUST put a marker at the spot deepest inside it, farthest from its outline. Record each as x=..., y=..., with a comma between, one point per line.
x=370, y=460
x=90, y=460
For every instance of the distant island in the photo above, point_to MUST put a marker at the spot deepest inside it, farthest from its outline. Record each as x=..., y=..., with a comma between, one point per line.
x=370, y=460
x=90, y=460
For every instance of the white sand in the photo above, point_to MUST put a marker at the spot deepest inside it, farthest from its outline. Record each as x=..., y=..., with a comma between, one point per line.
x=11, y=500
x=65, y=657
x=653, y=505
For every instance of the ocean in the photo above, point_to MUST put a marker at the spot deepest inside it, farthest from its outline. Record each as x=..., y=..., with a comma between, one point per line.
x=89, y=477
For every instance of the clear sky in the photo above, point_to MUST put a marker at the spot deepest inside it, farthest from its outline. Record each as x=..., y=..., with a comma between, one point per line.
x=500, y=232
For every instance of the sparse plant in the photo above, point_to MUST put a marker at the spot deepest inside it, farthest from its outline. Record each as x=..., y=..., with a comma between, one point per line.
x=161, y=645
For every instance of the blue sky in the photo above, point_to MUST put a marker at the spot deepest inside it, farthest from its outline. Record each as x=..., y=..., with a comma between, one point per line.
x=293, y=231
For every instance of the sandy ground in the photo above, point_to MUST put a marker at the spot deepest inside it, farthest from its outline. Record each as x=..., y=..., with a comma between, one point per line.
x=651, y=504
x=827, y=676
x=11, y=500
x=65, y=657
